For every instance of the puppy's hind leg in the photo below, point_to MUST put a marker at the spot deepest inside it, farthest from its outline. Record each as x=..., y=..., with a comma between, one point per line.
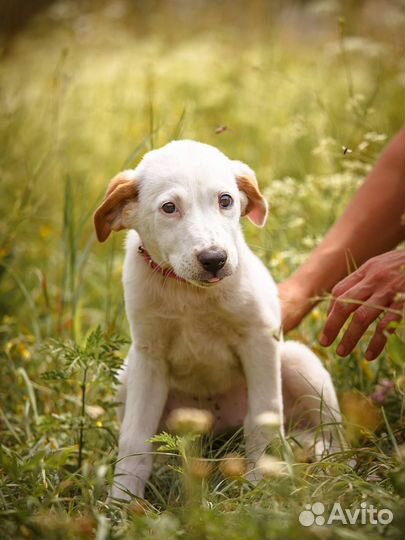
x=311, y=396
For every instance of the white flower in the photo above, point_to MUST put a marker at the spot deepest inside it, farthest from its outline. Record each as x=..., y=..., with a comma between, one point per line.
x=271, y=467
x=94, y=411
x=189, y=420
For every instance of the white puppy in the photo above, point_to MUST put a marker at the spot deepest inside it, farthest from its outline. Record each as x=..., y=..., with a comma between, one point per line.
x=203, y=310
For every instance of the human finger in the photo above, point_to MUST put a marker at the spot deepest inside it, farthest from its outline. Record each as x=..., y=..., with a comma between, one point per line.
x=342, y=308
x=347, y=283
x=363, y=316
x=379, y=339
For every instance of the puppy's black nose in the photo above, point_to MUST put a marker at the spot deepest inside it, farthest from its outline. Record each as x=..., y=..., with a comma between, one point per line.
x=212, y=260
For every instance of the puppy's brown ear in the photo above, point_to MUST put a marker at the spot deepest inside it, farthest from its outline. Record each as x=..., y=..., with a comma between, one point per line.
x=254, y=205
x=122, y=194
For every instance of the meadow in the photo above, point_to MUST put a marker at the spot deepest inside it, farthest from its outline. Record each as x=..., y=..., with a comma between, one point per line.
x=306, y=93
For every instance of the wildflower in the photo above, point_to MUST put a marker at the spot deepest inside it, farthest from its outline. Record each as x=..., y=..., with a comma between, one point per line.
x=383, y=389
x=199, y=468
x=189, y=420
x=316, y=314
x=372, y=136
x=363, y=146
x=23, y=351
x=94, y=411
x=233, y=466
x=271, y=467
x=44, y=231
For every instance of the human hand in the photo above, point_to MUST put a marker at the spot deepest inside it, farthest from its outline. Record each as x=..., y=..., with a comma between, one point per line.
x=378, y=286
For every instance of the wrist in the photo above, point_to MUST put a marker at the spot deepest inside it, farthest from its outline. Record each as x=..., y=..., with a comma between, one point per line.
x=325, y=267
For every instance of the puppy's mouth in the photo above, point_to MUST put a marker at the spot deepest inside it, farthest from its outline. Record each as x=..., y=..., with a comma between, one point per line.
x=214, y=280
x=209, y=280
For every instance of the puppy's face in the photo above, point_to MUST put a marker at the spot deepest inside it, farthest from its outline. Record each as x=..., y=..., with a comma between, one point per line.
x=185, y=201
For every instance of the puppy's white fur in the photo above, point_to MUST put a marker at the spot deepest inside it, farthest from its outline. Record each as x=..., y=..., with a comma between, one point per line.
x=190, y=337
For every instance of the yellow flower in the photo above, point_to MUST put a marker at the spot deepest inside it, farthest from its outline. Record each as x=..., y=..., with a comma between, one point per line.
x=26, y=354
x=44, y=231
x=23, y=351
x=316, y=314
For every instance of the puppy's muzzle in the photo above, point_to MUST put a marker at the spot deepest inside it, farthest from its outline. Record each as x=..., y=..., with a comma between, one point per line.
x=212, y=260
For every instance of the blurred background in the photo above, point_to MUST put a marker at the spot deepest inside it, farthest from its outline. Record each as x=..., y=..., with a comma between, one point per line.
x=306, y=92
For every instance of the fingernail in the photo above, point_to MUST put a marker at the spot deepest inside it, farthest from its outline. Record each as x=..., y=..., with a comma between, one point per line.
x=323, y=340
x=341, y=351
x=369, y=355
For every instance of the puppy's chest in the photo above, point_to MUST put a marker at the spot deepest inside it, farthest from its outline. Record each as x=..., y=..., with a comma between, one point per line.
x=201, y=351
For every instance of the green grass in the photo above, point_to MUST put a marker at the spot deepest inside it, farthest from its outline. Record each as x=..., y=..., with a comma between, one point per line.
x=83, y=95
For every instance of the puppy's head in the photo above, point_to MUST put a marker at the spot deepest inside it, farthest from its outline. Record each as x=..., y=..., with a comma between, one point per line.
x=185, y=201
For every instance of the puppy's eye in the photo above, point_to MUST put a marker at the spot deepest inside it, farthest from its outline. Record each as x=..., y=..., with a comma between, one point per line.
x=225, y=201
x=168, y=208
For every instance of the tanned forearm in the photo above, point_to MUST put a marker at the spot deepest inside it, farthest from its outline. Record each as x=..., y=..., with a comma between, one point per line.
x=371, y=224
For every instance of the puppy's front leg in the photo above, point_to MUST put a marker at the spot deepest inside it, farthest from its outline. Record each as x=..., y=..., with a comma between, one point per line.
x=147, y=392
x=262, y=368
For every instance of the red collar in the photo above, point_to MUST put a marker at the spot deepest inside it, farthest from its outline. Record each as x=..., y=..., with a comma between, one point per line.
x=166, y=272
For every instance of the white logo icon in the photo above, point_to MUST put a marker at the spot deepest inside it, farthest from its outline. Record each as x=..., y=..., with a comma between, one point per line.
x=312, y=514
